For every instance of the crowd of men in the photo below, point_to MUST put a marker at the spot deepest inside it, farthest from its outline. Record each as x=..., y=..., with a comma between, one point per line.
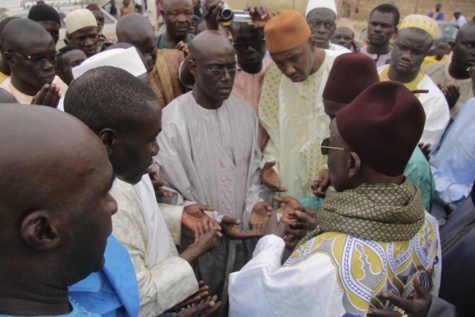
x=269, y=167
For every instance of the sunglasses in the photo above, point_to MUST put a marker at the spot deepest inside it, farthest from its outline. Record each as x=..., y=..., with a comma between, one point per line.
x=244, y=45
x=324, y=147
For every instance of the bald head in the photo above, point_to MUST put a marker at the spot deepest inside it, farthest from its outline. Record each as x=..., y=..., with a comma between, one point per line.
x=210, y=43
x=136, y=30
x=24, y=34
x=213, y=66
x=132, y=25
x=55, y=175
x=34, y=136
x=23, y=38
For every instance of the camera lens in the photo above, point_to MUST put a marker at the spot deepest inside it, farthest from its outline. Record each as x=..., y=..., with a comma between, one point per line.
x=226, y=15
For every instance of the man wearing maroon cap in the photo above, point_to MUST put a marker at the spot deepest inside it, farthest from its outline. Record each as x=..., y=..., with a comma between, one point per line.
x=374, y=235
x=360, y=70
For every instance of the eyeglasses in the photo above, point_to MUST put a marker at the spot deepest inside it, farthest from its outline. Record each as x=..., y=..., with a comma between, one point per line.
x=255, y=44
x=39, y=59
x=470, y=70
x=324, y=147
x=218, y=71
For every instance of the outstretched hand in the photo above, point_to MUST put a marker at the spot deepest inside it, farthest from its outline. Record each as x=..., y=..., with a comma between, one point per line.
x=260, y=213
x=202, y=303
x=270, y=178
x=48, y=95
x=320, y=186
x=418, y=307
x=206, y=239
x=229, y=228
x=206, y=307
x=194, y=214
x=290, y=204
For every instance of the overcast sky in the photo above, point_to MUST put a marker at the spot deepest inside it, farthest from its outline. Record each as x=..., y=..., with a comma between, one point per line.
x=9, y=3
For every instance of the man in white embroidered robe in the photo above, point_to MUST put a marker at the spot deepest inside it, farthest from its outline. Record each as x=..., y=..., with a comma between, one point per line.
x=210, y=155
x=374, y=235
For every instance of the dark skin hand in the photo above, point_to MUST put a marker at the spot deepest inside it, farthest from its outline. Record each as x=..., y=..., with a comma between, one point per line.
x=290, y=205
x=48, y=95
x=425, y=148
x=260, y=213
x=320, y=186
x=305, y=220
x=418, y=307
x=194, y=214
x=182, y=46
x=228, y=224
x=259, y=15
x=206, y=307
x=274, y=226
x=213, y=7
x=158, y=184
x=270, y=178
x=205, y=240
x=451, y=93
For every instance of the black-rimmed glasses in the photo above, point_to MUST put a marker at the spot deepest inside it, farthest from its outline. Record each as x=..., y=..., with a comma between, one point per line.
x=218, y=71
x=324, y=147
x=39, y=59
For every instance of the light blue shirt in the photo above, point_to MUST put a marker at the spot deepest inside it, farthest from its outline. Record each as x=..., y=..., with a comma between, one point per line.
x=453, y=164
x=113, y=291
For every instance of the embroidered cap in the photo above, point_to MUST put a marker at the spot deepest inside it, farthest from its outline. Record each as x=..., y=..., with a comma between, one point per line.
x=356, y=69
x=421, y=22
x=285, y=31
x=383, y=125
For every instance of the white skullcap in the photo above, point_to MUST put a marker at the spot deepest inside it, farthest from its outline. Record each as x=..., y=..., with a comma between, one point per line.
x=316, y=4
x=126, y=59
x=79, y=19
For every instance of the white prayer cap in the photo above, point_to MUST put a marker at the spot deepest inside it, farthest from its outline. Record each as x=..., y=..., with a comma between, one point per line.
x=315, y=4
x=126, y=59
x=79, y=19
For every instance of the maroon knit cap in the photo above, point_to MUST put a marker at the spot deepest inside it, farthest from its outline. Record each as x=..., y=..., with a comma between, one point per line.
x=93, y=7
x=383, y=126
x=351, y=73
